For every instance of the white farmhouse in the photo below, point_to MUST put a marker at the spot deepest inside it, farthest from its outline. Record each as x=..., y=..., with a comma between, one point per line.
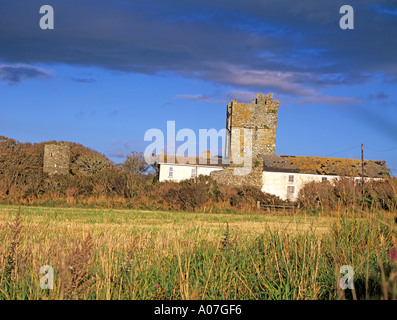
x=279, y=175
x=189, y=167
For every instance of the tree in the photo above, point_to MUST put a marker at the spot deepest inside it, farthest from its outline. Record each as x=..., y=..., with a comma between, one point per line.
x=93, y=163
x=135, y=164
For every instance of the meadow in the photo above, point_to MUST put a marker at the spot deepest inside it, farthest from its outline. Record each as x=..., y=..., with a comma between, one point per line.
x=131, y=254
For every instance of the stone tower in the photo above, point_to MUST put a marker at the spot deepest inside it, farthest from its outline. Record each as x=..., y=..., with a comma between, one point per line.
x=261, y=117
x=56, y=159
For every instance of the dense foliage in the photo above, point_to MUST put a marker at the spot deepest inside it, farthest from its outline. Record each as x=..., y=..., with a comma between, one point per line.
x=93, y=180
x=350, y=193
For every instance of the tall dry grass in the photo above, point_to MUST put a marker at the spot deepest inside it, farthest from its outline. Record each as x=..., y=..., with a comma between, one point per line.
x=114, y=260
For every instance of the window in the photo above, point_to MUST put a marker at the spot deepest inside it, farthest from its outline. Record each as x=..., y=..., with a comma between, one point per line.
x=290, y=192
x=193, y=173
x=171, y=172
x=291, y=179
x=324, y=179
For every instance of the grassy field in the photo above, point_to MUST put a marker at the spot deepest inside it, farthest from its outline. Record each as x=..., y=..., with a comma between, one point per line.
x=122, y=254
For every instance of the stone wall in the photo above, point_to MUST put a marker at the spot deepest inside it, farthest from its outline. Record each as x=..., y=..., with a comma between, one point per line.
x=259, y=116
x=56, y=159
x=228, y=175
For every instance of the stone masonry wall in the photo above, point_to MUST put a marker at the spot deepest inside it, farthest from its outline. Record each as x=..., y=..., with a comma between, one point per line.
x=56, y=159
x=228, y=176
x=261, y=117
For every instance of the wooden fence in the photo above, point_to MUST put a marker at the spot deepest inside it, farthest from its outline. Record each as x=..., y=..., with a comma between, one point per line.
x=275, y=207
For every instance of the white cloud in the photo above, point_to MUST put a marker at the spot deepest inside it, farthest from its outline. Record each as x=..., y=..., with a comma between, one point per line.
x=196, y=97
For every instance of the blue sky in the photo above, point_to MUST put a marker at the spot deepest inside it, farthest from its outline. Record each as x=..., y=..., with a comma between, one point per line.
x=111, y=70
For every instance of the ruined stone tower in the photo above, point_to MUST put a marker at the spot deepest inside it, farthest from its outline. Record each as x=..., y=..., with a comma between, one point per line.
x=56, y=159
x=261, y=117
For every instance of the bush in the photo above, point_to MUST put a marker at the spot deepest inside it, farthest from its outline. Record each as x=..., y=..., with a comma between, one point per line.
x=193, y=196
x=347, y=192
x=93, y=180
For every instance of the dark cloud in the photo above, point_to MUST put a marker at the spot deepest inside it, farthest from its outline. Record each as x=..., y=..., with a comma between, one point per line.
x=284, y=46
x=378, y=96
x=14, y=74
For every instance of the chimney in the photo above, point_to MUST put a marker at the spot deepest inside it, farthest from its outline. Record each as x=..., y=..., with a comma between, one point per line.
x=206, y=154
x=162, y=155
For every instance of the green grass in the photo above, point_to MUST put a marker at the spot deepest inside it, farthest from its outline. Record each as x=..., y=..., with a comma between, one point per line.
x=131, y=254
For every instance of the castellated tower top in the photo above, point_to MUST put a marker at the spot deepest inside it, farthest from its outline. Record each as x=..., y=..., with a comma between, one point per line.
x=261, y=117
x=263, y=100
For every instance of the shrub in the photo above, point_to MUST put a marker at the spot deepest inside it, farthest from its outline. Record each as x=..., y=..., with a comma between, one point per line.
x=192, y=196
x=347, y=192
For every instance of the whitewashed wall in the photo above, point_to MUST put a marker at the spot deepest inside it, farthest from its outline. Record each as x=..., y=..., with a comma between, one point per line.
x=182, y=172
x=277, y=182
